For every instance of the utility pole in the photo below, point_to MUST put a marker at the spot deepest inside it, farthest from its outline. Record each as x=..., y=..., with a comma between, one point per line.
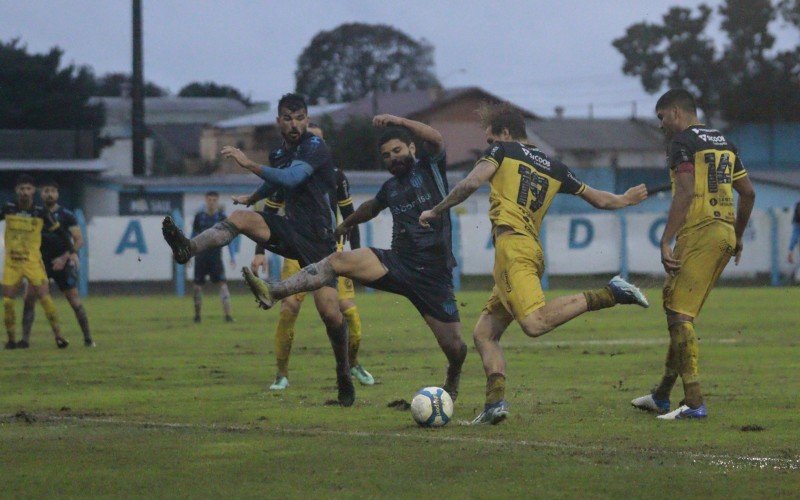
x=137, y=94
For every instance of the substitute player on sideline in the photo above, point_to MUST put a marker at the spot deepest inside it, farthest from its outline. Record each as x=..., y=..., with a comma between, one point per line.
x=290, y=306
x=306, y=233
x=209, y=263
x=420, y=263
x=523, y=183
x=23, y=257
x=60, y=263
x=705, y=168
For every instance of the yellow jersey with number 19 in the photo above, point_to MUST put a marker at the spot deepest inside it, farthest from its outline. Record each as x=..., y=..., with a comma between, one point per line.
x=524, y=185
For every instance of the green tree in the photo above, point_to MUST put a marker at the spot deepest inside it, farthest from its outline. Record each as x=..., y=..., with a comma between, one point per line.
x=354, y=144
x=211, y=89
x=110, y=85
x=36, y=92
x=352, y=60
x=745, y=81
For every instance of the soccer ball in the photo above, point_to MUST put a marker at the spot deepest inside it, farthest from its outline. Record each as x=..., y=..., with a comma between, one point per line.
x=432, y=407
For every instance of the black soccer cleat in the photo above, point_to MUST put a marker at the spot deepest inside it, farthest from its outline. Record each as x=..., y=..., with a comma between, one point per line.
x=229, y=319
x=62, y=343
x=347, y=391
x=88, y=342
x=10, y=345
x=23, y=344
x=177, y=241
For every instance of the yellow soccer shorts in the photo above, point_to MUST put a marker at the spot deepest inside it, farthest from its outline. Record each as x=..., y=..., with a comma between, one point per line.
x=518, y=267
x=32, y=270
x=345, y=286
x=703, y=254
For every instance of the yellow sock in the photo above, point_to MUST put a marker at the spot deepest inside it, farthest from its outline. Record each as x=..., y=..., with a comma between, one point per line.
x=495, y=388
x=670, y=372
x=10, y=318
x=284, y=336
x=601, y=298
x=687, y=353
x=354, y=324
x=52, y=315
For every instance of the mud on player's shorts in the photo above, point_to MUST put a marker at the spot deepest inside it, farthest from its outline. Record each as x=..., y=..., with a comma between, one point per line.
x=429, y=289
x=287, y=242
x=345, y=286
x=703, y=253
x=30, y=269
x=66, y=278
x=518, y=266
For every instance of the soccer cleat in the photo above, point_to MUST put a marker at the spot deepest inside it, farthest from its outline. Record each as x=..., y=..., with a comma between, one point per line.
x=280, y=383
x=62, y=343
x=23, y=344
x=362, y=375
x=347, y=392
x=683, y=412
x=492, y=414
x=229, y=319
x=259, y=288
x=650, y=403
x=88, y=342
x=626, y=293
x=10, y=345
x=180, y=244
x=197, y=319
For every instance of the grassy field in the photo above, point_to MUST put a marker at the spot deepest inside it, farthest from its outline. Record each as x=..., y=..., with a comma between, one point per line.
x=163, y=407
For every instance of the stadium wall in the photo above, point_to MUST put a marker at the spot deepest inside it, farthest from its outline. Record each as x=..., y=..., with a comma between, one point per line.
x=131, y=249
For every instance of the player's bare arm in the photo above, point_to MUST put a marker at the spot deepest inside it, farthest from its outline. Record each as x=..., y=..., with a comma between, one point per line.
x=365, y=212
x=425, y=132
x=681, y=201
x=747, y=198
x=483, y=171
x=610, y=201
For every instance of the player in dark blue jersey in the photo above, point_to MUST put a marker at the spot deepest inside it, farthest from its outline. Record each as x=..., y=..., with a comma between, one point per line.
x=209, y=263
x=307, y=176
x=60, y=263
x=420, y=263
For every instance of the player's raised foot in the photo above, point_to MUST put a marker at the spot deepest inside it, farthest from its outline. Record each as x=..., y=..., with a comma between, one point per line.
x=259, y=288
x=280, y=383
x=492, y=414
x=229, y=319
x=10, y=345
x=62, y=343
x=23, y=344
x=685, y=412
x=177, y=241
x=650, y=403
x=347, y=391
x=88, y=342
x=626, y=293
x=363, y=376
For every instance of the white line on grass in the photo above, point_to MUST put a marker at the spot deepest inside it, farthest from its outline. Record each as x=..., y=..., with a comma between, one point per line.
x=650, y=341
x=719, y=460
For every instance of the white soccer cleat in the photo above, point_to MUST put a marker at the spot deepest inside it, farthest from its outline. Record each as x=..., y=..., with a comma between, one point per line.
x=280, y=383
x=627, y=293
x=649, y=403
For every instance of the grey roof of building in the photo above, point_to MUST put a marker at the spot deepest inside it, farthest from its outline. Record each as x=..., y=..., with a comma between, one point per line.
x=174, y=103
x=95, y=165
x=408, y=104
x=574, y=134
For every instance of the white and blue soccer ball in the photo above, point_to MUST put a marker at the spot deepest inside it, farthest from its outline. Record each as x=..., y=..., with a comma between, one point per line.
x=432, y=407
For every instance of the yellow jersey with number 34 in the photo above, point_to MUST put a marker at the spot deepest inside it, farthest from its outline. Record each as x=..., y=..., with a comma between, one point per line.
x=524, y=185
x=716, y=166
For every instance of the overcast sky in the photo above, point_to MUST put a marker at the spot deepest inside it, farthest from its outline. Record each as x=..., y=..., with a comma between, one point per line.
x=536, y=53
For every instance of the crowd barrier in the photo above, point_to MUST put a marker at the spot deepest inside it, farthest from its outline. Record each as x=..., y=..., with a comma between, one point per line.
x=131, y=249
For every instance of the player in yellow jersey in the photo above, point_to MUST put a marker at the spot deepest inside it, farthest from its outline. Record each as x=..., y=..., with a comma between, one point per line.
x=290, y=306
x=523, y=182
x=23, y=258
x=705, y=170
